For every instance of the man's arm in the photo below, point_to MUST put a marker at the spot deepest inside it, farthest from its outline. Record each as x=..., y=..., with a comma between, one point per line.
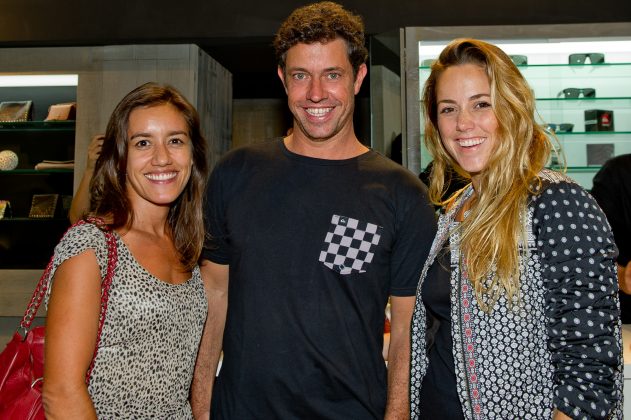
x=81, y=200
x=215, y=278
x=398, y=406
x=624, y=278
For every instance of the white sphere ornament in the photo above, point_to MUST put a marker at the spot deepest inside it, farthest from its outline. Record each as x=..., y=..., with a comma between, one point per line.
x=8, y=160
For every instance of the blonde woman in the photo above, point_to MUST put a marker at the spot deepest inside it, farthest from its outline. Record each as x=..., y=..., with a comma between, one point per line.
x=521, y=278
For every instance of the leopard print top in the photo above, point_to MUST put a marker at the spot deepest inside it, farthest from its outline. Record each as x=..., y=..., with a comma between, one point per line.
x=145, y=360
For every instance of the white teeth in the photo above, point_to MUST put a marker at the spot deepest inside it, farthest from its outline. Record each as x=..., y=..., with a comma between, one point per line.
x=471, y=142
x=318, y=112
x=161, y=176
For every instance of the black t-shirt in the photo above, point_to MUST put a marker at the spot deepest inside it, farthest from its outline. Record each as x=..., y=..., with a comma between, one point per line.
x=612, y=191
x=314, y=247
x=439, y=391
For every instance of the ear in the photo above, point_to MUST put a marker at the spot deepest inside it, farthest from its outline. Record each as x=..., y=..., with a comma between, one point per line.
x=359, y=78
x=281, y=75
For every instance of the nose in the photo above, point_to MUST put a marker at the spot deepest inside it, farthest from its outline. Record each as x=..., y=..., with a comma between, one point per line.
x=464, y=121
x=316, y=91
x=161, y=155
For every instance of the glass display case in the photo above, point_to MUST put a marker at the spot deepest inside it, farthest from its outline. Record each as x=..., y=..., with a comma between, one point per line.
x=583, y=96
x=27, y=237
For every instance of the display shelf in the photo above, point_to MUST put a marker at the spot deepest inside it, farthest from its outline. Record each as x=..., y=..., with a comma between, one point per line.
x=584, y=175
x=35, y=141
x=38, y=171
x=56, y=220
x=581, y=169
x=575, y=103
x=592, y=133
x=38, y=126
x=573, y=67
x=27, y=243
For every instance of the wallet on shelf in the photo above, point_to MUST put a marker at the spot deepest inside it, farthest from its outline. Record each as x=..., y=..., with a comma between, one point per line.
x=43, y=206
x=62, y=112
x=54, y=164
x=5, y=209
x=16, y=111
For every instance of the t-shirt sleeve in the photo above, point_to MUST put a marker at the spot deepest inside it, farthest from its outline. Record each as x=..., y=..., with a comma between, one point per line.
x=609, y=193
x=416, y=228
x=216, y=245
x=577, y=252
x=75, y=241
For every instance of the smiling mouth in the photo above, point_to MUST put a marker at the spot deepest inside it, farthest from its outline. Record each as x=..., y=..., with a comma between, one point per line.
x=165, y=176
x=471, y=142
x=318, y=112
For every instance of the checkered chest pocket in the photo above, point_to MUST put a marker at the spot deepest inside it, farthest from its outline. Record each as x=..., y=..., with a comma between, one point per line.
x=349, y=245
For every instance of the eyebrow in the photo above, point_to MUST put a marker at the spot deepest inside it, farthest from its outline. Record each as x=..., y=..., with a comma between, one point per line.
x=326, y=70
x=472, y=98
x=171, y=133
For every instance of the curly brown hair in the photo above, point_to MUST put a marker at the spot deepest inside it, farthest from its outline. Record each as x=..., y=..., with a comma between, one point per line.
x=322, y=22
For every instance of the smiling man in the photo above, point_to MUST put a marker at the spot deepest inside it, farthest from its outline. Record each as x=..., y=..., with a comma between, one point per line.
x=311, y=234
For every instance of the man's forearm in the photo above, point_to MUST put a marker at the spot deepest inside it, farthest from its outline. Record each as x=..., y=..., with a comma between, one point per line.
x=215, y=279
x=398, y=406
x=206, y=367
x=624, y=278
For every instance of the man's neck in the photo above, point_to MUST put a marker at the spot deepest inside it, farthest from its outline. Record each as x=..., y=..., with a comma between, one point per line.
x=335, y=148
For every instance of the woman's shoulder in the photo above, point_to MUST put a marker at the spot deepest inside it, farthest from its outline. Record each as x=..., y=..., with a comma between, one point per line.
x=553, y=178
x=555, y=184
x=561, y=198
x=79, y=237
x=83, y=232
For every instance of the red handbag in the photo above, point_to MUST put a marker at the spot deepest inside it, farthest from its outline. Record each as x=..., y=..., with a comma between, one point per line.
x=22, y=361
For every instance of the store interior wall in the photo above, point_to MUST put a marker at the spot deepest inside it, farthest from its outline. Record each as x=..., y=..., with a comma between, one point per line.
x=238, y=34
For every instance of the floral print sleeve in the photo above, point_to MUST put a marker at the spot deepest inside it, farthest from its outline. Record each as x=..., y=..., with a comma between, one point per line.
x=577, y=254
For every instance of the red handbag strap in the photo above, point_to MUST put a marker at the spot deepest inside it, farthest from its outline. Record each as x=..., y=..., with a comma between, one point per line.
x=112, y=259
x=42, y=286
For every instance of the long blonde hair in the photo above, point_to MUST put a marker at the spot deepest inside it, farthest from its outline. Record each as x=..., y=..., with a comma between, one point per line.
x=493, y=229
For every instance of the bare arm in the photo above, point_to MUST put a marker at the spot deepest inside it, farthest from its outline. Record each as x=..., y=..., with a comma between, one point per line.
x=398, y=406
x=624, y=278
x=557, y=415
x=71, y=329
x=215, y=277
x=81, y=200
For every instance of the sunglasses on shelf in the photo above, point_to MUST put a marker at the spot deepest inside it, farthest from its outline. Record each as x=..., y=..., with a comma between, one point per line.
x=519, y=60
x=574, y=93
x=559, y=128
x=594, y=58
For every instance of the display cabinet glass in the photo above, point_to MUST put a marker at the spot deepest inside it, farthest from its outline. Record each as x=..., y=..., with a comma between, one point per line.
x=27, y=238
x=586, y=104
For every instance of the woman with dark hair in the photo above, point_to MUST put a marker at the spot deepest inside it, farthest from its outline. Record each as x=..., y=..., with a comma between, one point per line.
x=147, y=188
x=521, y=276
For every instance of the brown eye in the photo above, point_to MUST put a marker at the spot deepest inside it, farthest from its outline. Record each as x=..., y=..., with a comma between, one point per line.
x=142, y=143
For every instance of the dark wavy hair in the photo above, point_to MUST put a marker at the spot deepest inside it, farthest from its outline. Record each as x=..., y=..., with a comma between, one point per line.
x=108, y=185
x=322, y=22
